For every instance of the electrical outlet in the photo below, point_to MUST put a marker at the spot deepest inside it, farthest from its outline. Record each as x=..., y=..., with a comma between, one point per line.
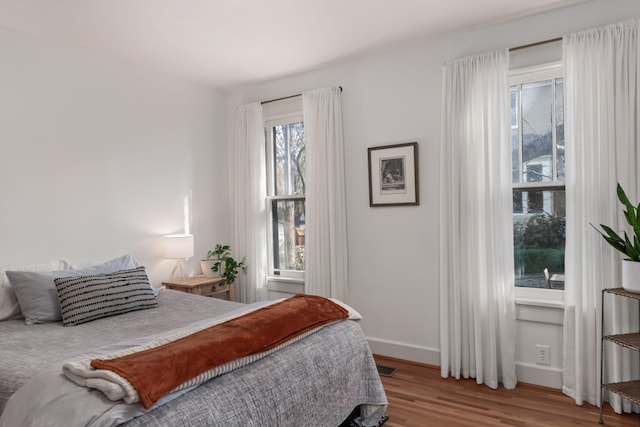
x=543, y=354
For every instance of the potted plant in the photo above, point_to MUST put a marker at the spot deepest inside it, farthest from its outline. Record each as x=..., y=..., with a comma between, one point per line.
x=625, y=244
x=223, y=264
x=206, y=265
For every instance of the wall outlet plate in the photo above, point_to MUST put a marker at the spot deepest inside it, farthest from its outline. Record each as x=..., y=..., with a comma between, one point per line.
x=543, y=354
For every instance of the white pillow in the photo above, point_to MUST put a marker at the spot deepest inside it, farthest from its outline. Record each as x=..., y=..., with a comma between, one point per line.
x=41, y=266
x=9, y=307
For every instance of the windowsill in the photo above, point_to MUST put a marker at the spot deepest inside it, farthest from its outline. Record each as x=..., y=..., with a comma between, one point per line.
x=540, y=303
x=285, y=279
x=550, y=298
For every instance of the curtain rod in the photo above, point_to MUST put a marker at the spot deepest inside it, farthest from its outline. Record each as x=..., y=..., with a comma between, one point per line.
x=557, y=39
x=286, y=97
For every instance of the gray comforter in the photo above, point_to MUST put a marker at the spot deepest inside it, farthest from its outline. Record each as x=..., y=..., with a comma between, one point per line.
x=314, y=382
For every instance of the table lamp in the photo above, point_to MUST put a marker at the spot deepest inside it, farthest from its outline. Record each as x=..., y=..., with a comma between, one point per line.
x=180, y=247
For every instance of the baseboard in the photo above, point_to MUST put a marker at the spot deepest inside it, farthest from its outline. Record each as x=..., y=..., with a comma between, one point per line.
x=545, y=376
x=404, y=351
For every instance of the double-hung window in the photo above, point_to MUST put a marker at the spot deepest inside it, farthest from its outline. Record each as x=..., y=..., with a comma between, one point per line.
x=538, y=173
x=286, y=167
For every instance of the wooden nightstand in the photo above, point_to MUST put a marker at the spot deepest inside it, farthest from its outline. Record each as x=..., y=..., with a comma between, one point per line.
x=201, y=285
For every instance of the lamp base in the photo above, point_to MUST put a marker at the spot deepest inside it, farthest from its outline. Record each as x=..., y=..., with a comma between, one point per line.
x=179, y=271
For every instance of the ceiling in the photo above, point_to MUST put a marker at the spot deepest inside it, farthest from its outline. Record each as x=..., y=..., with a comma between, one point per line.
x=225, y=43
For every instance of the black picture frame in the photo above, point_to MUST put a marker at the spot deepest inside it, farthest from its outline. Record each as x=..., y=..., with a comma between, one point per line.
x=393, y=175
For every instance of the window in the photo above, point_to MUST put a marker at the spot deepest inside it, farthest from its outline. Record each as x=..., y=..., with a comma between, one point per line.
x=286, y=167
x=538, y=159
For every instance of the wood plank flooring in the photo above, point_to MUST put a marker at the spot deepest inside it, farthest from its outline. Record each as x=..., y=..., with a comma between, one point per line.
x=418, y=397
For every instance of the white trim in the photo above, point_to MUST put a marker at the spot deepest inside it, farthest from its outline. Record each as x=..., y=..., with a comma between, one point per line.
x=542, y=186
x=279, y=109
x=287, y=286
x=540, y=313
x=286, y=197
x=272, y=279
x=545, y=376
x=283, y=119
x=526, y=373
x=553, y=298
x=405, y=351
x=534, y=302
x=536, y=73
x=524, y=294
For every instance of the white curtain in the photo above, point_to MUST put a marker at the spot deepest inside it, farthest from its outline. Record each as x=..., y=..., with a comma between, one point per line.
x=477, y=308
x=248, y=194
x=326, y=213
x=602, y=69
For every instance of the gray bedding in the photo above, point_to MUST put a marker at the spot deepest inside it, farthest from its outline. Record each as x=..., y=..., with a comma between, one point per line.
x=314, y=382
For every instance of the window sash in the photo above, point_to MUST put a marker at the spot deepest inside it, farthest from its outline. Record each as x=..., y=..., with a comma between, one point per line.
x=274, y=238
x=272, y=199
x=550, y=72
x=270, y=151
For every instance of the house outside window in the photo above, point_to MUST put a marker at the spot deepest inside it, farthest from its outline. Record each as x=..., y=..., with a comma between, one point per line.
x=286, y=185
x=538, y=174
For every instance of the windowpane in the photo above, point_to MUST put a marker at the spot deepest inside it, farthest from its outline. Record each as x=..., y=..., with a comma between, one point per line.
x=537, y=126
x=515, y=134
x=560, y=129
x=288, y=234
x=539, y=231
x=289, y=159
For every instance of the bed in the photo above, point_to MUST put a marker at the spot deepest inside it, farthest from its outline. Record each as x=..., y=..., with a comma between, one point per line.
x=315, y=381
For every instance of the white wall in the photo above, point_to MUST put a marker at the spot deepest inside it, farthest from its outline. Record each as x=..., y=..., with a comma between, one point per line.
x=392, y=97
x=97, y=156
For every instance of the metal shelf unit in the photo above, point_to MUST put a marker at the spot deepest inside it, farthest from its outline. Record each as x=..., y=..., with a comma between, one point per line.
x=628, y=389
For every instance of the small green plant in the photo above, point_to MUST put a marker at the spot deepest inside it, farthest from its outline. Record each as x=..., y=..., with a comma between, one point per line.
x=219, y=252
x=625, y=245
x=231, y=268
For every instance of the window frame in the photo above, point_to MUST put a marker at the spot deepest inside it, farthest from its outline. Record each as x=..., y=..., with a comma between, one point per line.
x=521, y=76
x=295, y=276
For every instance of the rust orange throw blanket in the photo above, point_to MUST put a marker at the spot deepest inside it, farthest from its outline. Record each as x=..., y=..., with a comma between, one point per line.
x=157, y=371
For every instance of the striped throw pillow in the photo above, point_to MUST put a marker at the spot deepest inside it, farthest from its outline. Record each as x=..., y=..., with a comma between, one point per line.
x=86, y=298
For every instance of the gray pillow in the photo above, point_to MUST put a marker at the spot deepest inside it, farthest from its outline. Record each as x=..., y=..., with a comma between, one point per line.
x=86, y=298
x=36, y=296
x=36, y=292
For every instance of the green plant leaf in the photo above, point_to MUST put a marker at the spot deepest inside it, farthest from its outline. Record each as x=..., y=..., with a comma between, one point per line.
x=623, y=197
x=634, y=251
x=636, y=223
x=612, y=238
x=611, y=234
x=627, y=243
x=632, y=216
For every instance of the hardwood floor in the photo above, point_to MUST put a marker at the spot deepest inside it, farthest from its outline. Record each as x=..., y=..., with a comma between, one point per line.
x=418, y=397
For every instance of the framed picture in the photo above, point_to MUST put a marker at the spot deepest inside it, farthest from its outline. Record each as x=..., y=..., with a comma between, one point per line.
x=393, y=175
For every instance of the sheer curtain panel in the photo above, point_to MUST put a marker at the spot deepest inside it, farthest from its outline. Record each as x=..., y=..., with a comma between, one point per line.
x=602, y=72
x=248, y=195
x=477, y=308
x=326, y=212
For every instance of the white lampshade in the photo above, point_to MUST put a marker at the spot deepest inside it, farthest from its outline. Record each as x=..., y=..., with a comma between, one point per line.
x=178, y=246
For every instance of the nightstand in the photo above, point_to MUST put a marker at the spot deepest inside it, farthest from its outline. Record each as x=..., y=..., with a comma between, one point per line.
x=201, y=285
